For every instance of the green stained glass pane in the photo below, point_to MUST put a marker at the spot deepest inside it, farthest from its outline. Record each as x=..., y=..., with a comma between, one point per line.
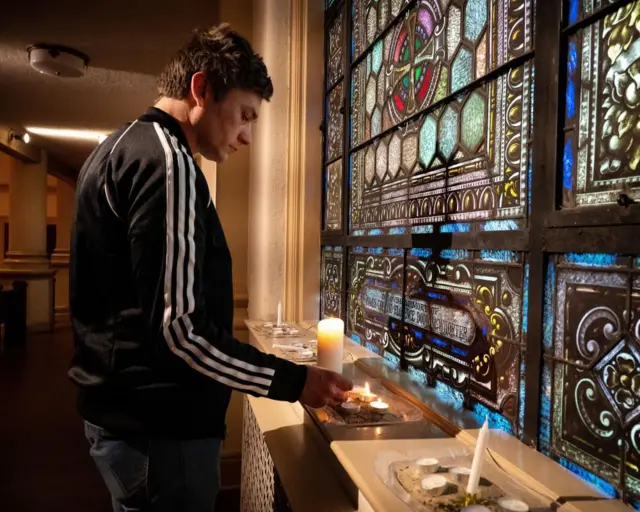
x=475, y=19
x=377, y=56
x=473, y=121
x=428, y=135
x=462, y=70
x=448, y=132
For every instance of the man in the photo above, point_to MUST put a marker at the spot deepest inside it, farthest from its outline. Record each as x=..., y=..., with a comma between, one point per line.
x=151, y=288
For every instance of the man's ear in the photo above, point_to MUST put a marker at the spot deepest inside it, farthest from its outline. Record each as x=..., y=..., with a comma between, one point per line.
x=199, y=88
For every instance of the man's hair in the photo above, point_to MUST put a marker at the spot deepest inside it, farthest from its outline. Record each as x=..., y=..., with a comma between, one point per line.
x=227, y=60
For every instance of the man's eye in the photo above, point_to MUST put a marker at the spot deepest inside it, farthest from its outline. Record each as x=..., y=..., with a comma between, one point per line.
x=245, y=117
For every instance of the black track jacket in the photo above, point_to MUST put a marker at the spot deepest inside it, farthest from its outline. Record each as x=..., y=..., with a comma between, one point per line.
x=151, y=293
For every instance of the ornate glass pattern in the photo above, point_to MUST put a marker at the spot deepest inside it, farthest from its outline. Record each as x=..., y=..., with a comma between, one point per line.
x=370, y=18
x=463, y=323
x=591, y=380
x=465, y=161
x=335, y=125
x=431, y=53
x=331, y=282
x=333, y=197
x=602, y=145
x=374, y=316
x=335, y=53
x=579, y=9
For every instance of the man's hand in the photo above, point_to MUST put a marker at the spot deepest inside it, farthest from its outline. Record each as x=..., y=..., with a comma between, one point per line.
x=324, y=387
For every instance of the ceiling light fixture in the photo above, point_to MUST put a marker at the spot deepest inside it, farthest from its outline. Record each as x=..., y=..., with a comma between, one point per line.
x=57, y=60
x=23, y=137
x=65, y=133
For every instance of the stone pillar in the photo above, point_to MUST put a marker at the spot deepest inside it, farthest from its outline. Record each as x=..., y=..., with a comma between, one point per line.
x=60, y=257
x=286, y=163
x=27, y=254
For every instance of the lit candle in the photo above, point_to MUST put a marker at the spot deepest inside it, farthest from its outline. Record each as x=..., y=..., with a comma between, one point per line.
x=351, y=407
x=331, y=344
x=279, y=319
x=379, y=405
x=367, y=396
x=478, y=459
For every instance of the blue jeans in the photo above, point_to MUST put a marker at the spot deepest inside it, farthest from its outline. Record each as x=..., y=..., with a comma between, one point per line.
x=157, y=475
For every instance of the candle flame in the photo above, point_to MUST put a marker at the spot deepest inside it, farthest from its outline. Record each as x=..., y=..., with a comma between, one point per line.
x=367, y=390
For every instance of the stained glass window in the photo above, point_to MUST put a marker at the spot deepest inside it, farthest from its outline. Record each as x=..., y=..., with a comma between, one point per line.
x=465, y=161
x=464, y=324
x=601, y=153
x=591, y=379
x=335, y=50
x=333, y=196
x=374, y=317
x=432, y=52
x=331, y=282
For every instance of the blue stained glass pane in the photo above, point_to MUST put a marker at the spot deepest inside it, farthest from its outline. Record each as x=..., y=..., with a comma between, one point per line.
x=500, y=225
x=572, y=63
x=377, y=56
x=417, y=375
x=508, y=256
x=567, y=172
x=455, y=228
x=356, y=338
x=421, y=253
x=590, y=478
x=375, y=250
x=440, y=343
x=548, y=306
x=397, y=231
x=358, y=250
x=455, y=254
x=459, y=351
x=449, y=395
x=372, y=348
x=521, y=399
x=544, y=434
x=592, y=260
x=496, y=420
x=422, y=229
x=375, y=232
x=571, y=99
x=574, y=11
x=396, y=252
x=393, y=359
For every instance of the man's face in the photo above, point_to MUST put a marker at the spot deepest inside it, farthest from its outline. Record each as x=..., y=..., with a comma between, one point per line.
x=222, y=127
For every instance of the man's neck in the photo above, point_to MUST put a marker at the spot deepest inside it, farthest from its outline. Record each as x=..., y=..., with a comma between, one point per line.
x=179, y=110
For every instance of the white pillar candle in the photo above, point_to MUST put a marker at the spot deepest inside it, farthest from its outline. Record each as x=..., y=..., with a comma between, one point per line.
x=331, y=344
x=478, y=459
x=279, y=318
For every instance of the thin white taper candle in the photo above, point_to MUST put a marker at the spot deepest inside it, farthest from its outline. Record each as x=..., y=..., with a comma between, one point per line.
x=478, y=459
x=279, y=319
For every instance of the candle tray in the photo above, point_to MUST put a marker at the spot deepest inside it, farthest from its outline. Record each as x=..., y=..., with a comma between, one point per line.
x=281, y=331
x=403, y=477
x=399, y=411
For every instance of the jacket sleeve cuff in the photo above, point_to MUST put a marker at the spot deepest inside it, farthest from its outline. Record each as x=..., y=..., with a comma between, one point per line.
x=288, y=381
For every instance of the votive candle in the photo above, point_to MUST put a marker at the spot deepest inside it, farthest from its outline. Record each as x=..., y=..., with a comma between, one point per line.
x=331, y=344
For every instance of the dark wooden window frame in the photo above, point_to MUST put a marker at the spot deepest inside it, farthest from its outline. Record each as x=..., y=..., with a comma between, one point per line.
x=550, y=230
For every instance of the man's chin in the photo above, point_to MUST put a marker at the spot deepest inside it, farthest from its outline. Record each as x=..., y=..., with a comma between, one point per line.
x=216, y=156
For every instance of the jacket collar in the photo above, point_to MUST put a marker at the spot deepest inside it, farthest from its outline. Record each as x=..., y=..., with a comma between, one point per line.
x=155, y=115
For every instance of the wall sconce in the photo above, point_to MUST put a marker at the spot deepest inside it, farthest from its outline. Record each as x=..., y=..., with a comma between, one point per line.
x=23, y=137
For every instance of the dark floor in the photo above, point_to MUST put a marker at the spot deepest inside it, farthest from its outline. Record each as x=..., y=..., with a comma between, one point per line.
x=44, y=460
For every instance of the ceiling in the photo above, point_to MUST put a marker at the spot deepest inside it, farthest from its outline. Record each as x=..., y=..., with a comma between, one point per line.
x=127, y=41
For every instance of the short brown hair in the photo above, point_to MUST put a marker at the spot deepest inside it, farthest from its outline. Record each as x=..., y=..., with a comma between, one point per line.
x=225, y=57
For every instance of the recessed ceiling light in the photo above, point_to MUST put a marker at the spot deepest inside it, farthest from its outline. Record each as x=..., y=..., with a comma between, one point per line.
x=65, y=133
